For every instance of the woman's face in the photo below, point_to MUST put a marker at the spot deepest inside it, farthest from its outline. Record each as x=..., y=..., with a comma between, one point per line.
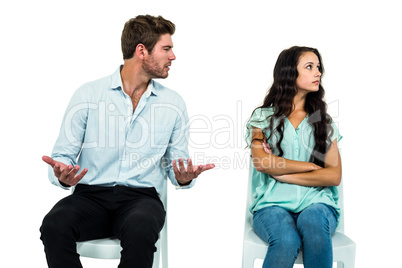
x=309, y=74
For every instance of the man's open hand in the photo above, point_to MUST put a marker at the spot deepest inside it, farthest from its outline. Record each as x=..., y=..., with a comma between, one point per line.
x=67, y=175
x=185, y=176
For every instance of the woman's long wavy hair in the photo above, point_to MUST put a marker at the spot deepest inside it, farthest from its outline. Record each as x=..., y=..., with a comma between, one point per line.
x=281, y=94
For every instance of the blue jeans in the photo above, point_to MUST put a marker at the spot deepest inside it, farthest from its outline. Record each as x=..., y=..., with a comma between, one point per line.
x=286, y=233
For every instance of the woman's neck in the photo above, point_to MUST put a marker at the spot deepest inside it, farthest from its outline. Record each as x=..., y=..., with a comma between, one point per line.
x=299, y=102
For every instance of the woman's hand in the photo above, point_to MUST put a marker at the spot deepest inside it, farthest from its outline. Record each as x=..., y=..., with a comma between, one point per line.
x=267, y=147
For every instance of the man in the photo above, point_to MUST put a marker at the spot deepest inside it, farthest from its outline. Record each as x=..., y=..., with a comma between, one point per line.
x=127, y=131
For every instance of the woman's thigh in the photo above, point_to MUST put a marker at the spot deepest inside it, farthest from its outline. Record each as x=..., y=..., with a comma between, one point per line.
x=277, y=226
x=316, y=224
x=317, y=218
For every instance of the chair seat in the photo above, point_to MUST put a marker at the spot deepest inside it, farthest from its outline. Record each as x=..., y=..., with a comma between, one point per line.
x=109, y=248
x=341, y=244
x=106, y=248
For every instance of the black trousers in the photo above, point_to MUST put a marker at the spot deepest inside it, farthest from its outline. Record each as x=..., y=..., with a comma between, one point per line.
x=134, y=215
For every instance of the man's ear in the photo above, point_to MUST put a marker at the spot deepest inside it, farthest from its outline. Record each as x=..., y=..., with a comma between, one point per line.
x=141, y=51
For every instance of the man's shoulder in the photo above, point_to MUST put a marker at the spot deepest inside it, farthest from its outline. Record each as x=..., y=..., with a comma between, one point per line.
x=161, y=88
x=105, y=81
x=98, y=85
x=165, y=92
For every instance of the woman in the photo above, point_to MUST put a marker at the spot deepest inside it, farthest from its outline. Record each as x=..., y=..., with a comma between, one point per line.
x=296, y=164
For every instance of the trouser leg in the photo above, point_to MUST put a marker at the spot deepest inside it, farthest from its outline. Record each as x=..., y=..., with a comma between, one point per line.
x=74, y=218
x=278, y=227
x=137, y=224
x=316, y=225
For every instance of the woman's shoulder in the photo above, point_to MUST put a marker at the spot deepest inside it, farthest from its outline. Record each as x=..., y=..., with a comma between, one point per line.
x=262, y=113
x=334, y=133
x=260, y=117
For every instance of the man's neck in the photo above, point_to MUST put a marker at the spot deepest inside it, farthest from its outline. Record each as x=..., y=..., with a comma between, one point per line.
x=133, y=79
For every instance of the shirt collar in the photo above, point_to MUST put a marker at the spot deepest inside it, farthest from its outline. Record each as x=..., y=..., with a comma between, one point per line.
x=116, y=79
x=116, y=83
x=151, y=88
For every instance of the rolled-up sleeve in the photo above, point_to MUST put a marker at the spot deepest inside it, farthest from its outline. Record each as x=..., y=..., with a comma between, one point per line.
x=71, y=136
x=178, y=144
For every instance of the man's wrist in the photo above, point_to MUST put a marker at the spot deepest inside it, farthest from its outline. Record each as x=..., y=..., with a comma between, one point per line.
x=63, y=184
x=185, y=183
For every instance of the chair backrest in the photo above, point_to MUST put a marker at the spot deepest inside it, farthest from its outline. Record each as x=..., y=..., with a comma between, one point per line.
x=163, y=195
x=162, y=250
x=341, y=225
x=250, y=200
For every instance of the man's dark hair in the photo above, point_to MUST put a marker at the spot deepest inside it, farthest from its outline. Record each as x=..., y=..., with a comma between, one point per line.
x=146, y=30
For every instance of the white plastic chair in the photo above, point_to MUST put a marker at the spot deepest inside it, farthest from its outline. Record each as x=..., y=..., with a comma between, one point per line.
x=344, y=249
x=109, y=248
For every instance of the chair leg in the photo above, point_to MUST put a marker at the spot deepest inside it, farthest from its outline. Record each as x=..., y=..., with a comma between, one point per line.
x=164, y=253
x=248, y=262
x=156, y=263
x=348, y=263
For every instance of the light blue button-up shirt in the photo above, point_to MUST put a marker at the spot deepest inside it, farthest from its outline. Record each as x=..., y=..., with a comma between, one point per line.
x=119, y=146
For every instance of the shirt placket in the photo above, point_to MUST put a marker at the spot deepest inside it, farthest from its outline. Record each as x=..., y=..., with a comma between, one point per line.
x=296, y=155
x=123, y=135
x=296, y=143
x=131, y=117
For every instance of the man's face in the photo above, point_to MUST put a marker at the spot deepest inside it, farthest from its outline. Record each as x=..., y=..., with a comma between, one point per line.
x=156, y=63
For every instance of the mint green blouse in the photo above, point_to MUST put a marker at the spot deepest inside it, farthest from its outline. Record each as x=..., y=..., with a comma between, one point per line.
x=297, y=144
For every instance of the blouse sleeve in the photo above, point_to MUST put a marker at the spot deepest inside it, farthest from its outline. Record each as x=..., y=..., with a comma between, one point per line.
x=259, y=119
x=335, y=133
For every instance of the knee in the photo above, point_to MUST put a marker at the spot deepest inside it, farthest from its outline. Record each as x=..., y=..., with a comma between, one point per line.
x=50, y=224
x=143, y=224
x=287, y=242
x=55, y=223
x=277, y=226
x=317, y=223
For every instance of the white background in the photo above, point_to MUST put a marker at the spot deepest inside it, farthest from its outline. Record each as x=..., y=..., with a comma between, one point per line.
x=225, y=52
